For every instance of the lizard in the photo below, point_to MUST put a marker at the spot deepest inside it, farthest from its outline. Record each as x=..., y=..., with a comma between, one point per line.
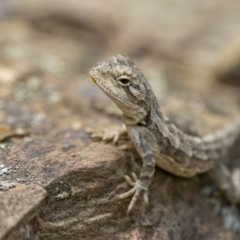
x=157, y=140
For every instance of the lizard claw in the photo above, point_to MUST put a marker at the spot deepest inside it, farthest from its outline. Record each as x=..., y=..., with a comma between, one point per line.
x=135, y=191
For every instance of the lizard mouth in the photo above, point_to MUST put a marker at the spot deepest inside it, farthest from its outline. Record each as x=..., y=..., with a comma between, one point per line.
x=94, y=80
x=108, y=91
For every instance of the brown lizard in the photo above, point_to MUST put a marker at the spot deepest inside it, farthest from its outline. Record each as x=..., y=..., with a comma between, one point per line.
x=157, y=140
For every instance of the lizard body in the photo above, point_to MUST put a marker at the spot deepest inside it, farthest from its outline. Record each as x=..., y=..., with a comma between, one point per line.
x=157, y=140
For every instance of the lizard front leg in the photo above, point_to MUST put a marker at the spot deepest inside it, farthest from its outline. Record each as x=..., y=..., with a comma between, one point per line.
x=141, y=185
x=108, y=136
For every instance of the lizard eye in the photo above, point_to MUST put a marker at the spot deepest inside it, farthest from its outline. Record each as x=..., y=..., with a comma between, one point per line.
x=123, y=81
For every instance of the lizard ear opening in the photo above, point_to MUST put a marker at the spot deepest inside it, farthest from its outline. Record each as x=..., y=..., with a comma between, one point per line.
x=139, y=102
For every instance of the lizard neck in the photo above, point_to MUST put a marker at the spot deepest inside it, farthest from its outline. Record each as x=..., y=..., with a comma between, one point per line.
x=134, y=115
x=143, y=113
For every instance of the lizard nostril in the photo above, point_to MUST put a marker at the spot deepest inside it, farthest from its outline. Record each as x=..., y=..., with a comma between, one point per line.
x=96, y=65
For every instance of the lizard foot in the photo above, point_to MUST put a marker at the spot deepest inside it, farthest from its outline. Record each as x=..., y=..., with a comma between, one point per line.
x=135, y=191
x=108, y=136
x=227, y=181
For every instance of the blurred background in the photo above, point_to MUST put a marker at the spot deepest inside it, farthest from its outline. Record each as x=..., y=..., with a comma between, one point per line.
x=47, y=48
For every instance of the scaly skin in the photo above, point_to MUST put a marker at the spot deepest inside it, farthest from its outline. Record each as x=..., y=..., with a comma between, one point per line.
x=156, y=139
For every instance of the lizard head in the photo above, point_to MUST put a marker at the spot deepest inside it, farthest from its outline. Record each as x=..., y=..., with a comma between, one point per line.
x=123, y=82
